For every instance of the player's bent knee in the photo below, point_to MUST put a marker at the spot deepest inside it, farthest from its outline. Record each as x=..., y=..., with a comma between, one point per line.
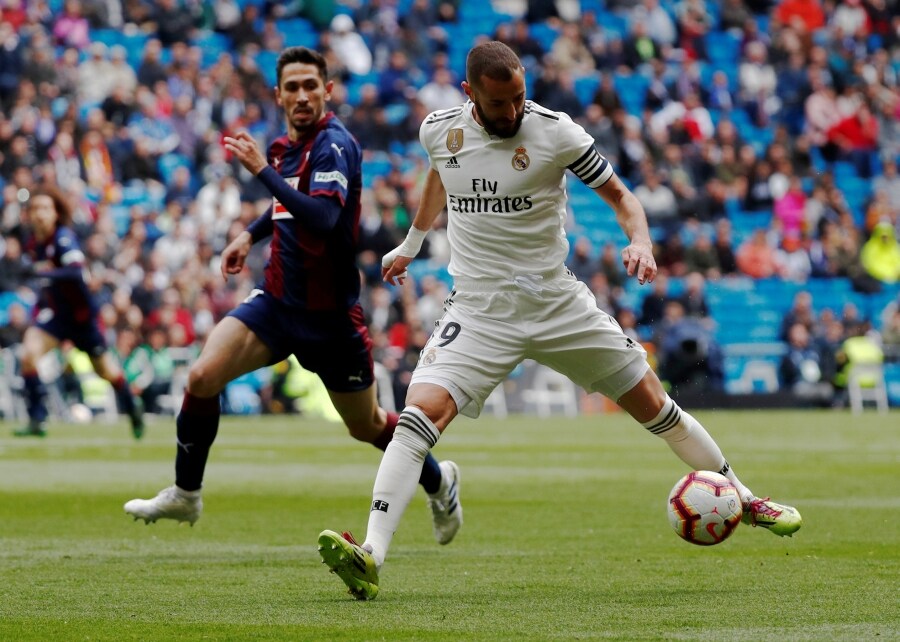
x=203, y=381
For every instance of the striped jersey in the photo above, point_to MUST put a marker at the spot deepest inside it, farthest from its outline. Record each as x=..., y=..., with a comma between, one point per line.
x=506, y=197
x=309, y=269
x=66, y=294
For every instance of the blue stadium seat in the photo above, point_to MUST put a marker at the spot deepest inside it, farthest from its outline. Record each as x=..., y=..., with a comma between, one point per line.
x=291, y=27
x=266, y=61
x=614, y=24
x=168, y=163
x=212, y=45
x=586, y=87
x=544, y=34
x=843, y=169
x=108, y=37
x=632, y=90
x=892, y=379
x=722, y=47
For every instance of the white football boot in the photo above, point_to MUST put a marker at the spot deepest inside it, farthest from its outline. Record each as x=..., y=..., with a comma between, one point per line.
x=170, y=503
x=446, y=510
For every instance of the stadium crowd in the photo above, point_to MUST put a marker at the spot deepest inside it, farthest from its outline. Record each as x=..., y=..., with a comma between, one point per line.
x=762, y=138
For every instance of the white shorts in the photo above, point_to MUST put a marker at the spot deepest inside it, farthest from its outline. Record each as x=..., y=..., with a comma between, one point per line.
x=489, y=327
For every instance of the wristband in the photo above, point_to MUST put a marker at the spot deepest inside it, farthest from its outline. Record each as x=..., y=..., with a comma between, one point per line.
x=410, y=246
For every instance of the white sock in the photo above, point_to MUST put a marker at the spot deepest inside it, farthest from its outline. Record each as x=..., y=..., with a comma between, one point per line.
x=397, y=478
x=689, y=440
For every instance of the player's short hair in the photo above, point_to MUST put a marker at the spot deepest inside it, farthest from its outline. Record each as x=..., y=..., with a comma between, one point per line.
x=303, y=55
x=60, y=202
x=492, y=59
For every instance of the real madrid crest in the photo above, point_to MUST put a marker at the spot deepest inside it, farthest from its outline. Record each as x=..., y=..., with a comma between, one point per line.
x=454, y=140
x=520, y=160
x=429, y=356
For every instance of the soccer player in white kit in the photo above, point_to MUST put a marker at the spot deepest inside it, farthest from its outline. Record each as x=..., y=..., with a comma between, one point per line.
x=498, y=164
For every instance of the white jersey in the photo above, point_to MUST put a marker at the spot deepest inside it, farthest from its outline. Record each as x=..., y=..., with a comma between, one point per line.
x=506, y=197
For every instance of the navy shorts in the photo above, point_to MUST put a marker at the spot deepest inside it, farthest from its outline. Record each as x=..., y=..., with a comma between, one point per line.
x=86, y=336
x=335, y=344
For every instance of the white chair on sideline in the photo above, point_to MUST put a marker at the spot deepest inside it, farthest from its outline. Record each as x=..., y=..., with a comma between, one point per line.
x=385, y=387
x=866, y=383
x=496, y=402
x=551, y=389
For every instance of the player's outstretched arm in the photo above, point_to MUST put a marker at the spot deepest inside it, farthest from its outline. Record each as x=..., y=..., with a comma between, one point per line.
x=638, y=255
x=434, y=197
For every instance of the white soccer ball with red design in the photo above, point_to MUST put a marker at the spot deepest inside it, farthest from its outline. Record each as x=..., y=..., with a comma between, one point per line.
x=704, y=508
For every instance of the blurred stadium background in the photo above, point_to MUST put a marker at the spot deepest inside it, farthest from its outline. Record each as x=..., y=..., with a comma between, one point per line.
x=762, y=137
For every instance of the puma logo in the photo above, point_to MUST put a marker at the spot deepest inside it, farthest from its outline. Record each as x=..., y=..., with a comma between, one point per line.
x=355, y=377
x=184, y=446
x=337, y=149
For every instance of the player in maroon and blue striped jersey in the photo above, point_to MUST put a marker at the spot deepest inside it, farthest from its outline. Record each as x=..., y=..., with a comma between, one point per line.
x=65, y=310
x=308, y=302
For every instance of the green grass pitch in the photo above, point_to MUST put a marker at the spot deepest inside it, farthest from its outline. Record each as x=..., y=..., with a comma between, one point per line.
x=565, y=536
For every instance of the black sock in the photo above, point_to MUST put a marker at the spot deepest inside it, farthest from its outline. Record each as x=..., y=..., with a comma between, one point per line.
x=197, y=423
x=124, y=398
x=35, y=393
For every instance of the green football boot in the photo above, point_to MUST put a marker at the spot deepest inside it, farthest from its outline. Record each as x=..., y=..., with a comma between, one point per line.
x=351, y=562
x=778, y=518
x=31, y=429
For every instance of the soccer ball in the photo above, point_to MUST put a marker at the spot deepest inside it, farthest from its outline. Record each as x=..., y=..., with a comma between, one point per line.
x=704, y=508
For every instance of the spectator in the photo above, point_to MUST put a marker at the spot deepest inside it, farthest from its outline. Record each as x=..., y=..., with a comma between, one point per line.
x=890, y=334
x=653, y=305
x=800, y=369
x=13, y=268
x=880, y=255
x=854, y=138
x=690, y=360
x=757, y=84
x=701, y=257
x=95, y=75
x=859, y=348
x=244, y=32
x=71, y=28
x=694, y=22
x=13, y=331
x=151, y=127
x=151, y=70
x=640, y=48
x=349, y=46
x=804, y=16
x=723, y=247
x=658, y=200
x=174, y=22
x=821, y=110
x=121, y=73
x=756, y=258
x=161, y=367
x=526, y=47
x=789, y=209
x=660, y=26
x=582, y=263
x=559, y=94
x=570, y=53
x=889, y=181
x=734, y=16
x=394, y=81
x=793, y=260
x=12, y=63
x=440, y=92
x=693, y=299
x=611, y=265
